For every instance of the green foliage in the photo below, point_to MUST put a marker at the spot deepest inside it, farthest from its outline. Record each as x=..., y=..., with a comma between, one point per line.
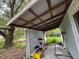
x=3, y=22
x=19, y=33
x=53, y=40
x=55, y=32
x=53, y=36
x=20, y=45
x=1, y=42
x=15, y=7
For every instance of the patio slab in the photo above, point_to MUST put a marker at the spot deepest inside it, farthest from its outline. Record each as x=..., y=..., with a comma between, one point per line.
x=49, y=53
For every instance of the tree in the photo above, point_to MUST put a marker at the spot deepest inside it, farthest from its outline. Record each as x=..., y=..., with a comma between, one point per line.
x=54, y=33
x=10, y=8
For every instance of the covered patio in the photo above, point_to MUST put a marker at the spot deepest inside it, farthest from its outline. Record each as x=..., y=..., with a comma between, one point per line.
x=41, y=15
x=38, y=17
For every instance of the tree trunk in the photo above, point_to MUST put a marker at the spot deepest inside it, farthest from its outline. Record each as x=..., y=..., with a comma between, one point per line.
x=8, y=41
x=9, y=38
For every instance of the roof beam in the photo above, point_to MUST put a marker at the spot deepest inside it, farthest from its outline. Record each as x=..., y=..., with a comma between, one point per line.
x=53, y=21
x=23, y=26
x=49, y=6
x=50, y=18
x=58, y=5
x=52, y=26
x=67, y=4
x=31, y=11
x=24, y=20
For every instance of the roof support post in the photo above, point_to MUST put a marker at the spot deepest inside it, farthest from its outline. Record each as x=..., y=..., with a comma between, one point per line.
x=27, y=36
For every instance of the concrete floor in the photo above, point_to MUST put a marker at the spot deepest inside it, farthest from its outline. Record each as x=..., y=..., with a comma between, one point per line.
x=55, y=52
x=49, y=53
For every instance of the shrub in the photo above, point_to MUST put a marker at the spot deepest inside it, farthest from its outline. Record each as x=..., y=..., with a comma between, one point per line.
x=53, y=40
x=20, y=45
x=1, y=43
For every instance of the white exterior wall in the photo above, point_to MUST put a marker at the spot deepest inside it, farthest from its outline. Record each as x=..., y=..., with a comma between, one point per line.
x=71, y=36
x=31, y=41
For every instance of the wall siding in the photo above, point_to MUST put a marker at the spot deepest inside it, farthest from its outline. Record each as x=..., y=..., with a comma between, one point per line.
x=69, y=37
x=68, y=25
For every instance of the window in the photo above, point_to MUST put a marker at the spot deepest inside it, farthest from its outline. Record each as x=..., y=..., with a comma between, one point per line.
x=76, y=18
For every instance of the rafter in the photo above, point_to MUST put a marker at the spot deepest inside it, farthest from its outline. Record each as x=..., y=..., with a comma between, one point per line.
x=52, y=26
x=49, y=6
x=23, y=26
x=24, y=20
x=58, y=5
x=50, y=18
x=51, y=22
x=67, y=4
x=31, y=11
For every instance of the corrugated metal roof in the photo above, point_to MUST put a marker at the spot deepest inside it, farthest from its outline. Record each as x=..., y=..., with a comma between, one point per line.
x=41, y=15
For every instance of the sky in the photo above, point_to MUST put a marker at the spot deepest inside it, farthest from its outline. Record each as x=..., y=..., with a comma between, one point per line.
x=3, y=8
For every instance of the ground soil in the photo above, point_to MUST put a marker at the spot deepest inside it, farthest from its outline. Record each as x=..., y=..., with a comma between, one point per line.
x=13, y=53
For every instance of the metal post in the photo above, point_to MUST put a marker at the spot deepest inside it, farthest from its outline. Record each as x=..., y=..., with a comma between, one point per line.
x=28, y=44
